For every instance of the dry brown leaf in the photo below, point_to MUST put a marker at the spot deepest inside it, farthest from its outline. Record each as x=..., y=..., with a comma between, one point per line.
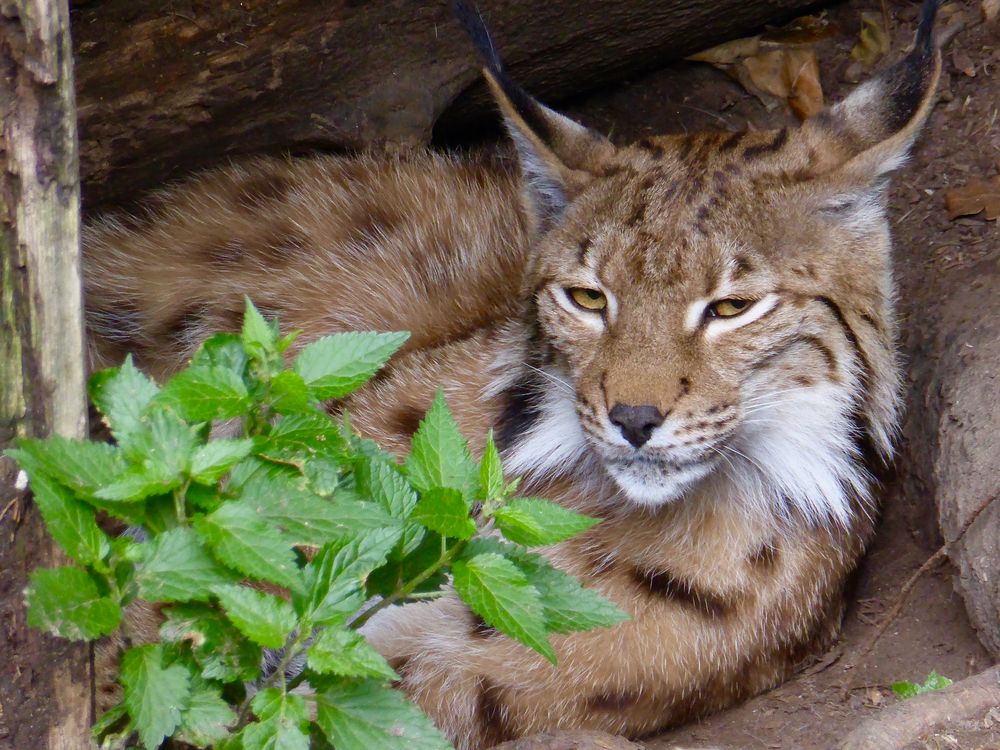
x=991, y=10
x=779, y=65
x=873, y=41
x=978, y=195
x=963, y=63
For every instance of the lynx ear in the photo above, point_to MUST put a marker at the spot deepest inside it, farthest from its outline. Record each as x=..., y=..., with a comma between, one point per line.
x=558, y=157
x=870, y=132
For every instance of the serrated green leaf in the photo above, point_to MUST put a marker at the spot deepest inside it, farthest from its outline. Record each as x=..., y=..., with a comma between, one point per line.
x=160, y=453
x=906, y=689
x=239, y=537
x=366, y=715
x=207, y=718
x=298, y=438
x=113, y=728
x=66, y=602
x=405, y=567
x=568, y=606
x=336, y=365
x=263, y=618
x=121, y=394
x=154, y=695
x=82, y=466
x=216, y=645
x=260, y=337
x=71, y=523
x=201, y=394
x=290, y=394
x=348, y=654
x=535, y=522
x=335, y=578
x=176, y=567
x=211, y=461
x=388, y=487
x=222, y=350
x=500, y=593
x=306, y=518
x=439, y=456
x=274, y=734
x=445, y=511
x=271, y=702
x=491, y=484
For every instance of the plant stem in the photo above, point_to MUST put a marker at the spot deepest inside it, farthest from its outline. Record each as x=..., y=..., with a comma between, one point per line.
x=180, y=497
x=291, y=651
x=402, y=593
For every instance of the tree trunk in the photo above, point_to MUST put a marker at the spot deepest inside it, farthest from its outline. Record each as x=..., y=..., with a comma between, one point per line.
x=165, y=88
x=45, y=684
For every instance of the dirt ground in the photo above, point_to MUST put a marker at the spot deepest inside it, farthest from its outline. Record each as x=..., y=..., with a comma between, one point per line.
x=960, y=142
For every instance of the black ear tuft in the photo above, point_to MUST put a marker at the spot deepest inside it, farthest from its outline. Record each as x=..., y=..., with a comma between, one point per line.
x=472, y=22
x=530, y=110
x=925, y=31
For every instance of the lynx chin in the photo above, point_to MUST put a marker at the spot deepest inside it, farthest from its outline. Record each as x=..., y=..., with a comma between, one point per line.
x=690, y=337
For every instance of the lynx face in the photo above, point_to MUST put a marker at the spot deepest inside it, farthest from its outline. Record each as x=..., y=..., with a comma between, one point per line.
x=716, y=304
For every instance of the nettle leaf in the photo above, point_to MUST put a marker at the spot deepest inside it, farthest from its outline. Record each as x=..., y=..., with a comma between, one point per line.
x=348, y=654
x=405, y=564
x=271, y=702
x=70, y=522
x=154, y=695
x=439, y=456
x=207, y=718
x=160, y=451
x=211, y=461
x=445, y=511
x=82, y=466
x=336, y=365
x=259, y=336
x=535, y=522
x=216, y=645
x=176, y=567
x=387, y=486
x=66, y=602
x=306, y=518
x=121, y=395
x=240, y=538
x=290, y=394
x=222, y=350
x=568, y=606
x=277, y=733
x=336, y=576
x=366, y=715
x=201, y=394
x=500, y=593
x=263, y=618
x=299, y=437
x=491, y=485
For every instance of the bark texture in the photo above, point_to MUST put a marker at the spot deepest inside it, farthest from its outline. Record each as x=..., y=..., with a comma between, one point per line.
x=45, y=685
x=166, y=88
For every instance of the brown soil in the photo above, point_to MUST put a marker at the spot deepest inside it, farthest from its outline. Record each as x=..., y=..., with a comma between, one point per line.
x=962, y=141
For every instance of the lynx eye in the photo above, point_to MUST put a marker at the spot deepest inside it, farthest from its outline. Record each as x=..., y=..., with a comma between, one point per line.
x=591, y=300
x=728, y=308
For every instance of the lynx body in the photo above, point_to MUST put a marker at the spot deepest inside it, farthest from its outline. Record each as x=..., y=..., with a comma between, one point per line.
x=690, y=337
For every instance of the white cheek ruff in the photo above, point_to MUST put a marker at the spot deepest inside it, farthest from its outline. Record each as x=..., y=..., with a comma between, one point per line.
x=554, y=443
x=799, y=454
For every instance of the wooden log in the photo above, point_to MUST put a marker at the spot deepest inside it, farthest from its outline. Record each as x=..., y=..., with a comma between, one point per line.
x=165, y=89
x=45, y=684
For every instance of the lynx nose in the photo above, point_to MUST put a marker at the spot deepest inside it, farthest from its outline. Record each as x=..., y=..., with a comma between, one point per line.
x=636, y=422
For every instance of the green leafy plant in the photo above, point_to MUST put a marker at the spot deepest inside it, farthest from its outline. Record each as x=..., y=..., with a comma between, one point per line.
x=336, y=528
x=906, y=689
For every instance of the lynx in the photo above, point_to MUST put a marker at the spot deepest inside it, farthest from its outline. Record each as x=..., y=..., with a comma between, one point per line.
x=689, y=337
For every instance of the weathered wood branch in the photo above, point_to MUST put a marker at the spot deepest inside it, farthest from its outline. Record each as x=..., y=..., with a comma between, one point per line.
x=46, y=687
x=167, y=88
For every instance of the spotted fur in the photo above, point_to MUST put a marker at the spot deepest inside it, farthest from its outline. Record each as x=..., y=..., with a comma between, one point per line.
x=724, y=454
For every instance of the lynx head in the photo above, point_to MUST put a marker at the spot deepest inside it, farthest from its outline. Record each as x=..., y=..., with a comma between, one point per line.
x=713, y=304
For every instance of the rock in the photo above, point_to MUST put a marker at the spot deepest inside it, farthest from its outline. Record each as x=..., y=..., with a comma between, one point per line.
x=164, y=90
x=957, y=456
